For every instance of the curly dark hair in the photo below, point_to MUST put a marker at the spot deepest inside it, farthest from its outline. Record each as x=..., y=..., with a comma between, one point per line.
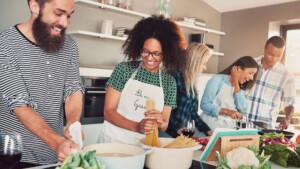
x=167, y=32
x=244, y=62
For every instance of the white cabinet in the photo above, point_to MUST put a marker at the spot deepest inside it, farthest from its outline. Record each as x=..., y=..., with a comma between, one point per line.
x=94, y=4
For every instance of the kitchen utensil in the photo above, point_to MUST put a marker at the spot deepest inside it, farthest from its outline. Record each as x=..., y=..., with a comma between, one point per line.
x=120, y=156
x=287, y=134
x=10, y=149
x=260, y=124
x=106, y=27
x=166, y=158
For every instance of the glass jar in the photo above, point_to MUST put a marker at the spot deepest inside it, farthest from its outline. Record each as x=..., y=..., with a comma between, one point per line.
x=128, y=4
x=109, y=2
x=160, y=10
x=121, y=3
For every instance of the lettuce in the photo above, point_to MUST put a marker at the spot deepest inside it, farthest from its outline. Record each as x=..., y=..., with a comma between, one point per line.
x=281, y=154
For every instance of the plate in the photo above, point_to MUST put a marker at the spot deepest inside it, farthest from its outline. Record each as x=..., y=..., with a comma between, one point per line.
x=287, y=134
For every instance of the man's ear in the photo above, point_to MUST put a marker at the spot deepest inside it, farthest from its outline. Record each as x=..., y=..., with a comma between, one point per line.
x=34, y=7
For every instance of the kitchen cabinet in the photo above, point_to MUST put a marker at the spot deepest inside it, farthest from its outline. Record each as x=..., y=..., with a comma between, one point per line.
x=95, y=4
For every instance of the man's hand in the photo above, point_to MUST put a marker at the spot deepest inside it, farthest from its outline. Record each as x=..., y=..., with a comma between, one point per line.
x=65, y=149
x=289, y=111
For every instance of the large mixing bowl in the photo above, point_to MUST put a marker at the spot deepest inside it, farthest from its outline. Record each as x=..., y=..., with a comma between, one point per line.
x=119, y=156
x=169, y=158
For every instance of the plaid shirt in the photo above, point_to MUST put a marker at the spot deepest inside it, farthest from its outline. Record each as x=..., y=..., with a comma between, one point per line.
x=274, y=88
x=187, y=108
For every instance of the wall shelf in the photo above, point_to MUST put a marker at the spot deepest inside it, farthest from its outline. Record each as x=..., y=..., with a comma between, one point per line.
x=110, y=7
x=134, y=13
x=218, y=53
x=97, y=35
x=100, y=35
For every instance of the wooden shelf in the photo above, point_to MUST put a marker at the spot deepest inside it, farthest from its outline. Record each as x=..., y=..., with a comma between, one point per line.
x=130, y=12
x=97, y=35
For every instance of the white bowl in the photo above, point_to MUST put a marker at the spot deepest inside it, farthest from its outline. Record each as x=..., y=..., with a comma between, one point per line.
x=119, y=156
x=169, y=158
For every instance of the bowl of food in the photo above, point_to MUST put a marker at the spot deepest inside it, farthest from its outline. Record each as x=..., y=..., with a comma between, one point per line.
x=286, y=134
x=172, y=153
x=116, y=156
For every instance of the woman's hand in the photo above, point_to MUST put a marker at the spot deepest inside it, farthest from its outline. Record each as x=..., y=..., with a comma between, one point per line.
x=152, y=118
x=145, y=126
x=236, y=115
x=232, y=113
x=235, y=78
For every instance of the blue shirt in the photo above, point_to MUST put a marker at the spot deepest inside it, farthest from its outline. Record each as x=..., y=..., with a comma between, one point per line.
x=187, y=108
x=212, y=88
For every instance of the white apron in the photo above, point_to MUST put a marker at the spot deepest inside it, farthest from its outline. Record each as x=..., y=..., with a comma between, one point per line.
x=132, y=105
x=225, y=100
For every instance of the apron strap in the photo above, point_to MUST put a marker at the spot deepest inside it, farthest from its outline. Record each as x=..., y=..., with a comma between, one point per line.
x=139, y=67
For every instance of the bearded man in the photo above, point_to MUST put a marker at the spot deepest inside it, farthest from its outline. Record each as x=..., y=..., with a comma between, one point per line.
x=39, y=68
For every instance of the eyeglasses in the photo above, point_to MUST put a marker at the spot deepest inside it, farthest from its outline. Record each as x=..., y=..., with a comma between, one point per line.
x=156, y=55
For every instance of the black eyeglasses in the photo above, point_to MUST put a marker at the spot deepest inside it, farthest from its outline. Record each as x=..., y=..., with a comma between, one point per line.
x=156, y=55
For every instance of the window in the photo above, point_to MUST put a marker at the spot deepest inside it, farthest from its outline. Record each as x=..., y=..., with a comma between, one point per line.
x=291, y=33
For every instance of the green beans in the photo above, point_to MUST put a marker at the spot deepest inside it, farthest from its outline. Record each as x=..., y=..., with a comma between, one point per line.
x=85, y=160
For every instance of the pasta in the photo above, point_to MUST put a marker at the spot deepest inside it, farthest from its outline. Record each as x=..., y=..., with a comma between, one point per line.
x=182, y=142
x=152, y=138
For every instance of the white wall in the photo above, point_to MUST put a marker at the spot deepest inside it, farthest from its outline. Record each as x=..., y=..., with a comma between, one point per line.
x=104, y=52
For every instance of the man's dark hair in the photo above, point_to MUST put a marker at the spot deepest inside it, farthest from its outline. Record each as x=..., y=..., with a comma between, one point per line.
x=277, y=41
x=167, y=32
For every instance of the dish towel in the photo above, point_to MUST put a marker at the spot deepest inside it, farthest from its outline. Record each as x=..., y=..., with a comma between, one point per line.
x=76, y=134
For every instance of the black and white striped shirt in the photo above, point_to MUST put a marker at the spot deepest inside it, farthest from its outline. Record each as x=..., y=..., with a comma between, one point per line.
x=29, y=76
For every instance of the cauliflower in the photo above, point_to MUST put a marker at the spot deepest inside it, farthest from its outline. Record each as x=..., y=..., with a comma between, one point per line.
x=241, y=156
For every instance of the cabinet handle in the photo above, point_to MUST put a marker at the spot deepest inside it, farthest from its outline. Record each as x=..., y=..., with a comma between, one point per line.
x=95, y=92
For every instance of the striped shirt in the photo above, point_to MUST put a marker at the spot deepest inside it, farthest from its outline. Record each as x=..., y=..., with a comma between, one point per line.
x=274, y=88
x=32, y=77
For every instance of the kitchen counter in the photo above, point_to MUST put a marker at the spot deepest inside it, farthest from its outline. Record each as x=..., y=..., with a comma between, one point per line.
x=196, y=164
x=197, y=155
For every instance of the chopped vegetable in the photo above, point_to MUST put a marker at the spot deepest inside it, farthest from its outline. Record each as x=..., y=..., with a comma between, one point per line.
x=202, y=141
x=82, y=160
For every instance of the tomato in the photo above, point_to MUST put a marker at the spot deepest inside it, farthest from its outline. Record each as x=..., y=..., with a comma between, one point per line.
x=202, y=141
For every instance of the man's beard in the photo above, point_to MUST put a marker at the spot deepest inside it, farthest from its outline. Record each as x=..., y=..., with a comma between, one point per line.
x=43, y=37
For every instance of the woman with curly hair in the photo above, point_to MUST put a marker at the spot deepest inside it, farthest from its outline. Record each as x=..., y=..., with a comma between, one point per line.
x=154, y=48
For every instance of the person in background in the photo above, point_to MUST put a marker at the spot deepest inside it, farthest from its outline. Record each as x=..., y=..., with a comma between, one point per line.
x=154, y=47
x=39, y=70
x=224, y=99
x=273, y=88
x=187, y=94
